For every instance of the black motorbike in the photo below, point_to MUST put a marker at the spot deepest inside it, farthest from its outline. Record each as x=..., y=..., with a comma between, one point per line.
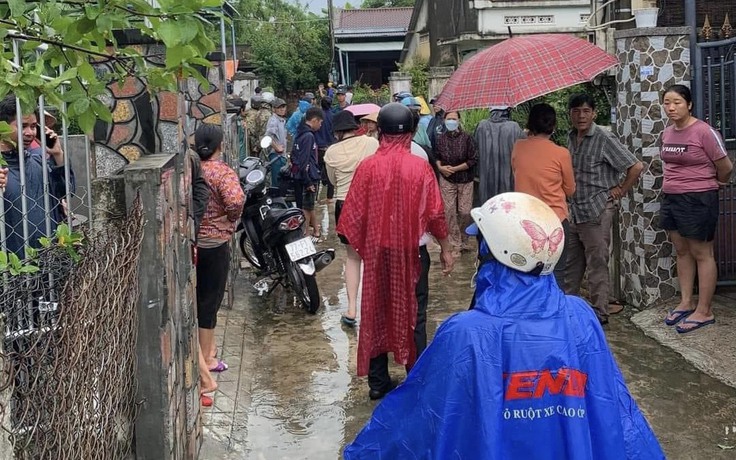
x=272, y=238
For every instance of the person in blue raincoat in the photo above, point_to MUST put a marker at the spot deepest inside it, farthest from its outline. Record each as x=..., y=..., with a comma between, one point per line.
x=296, y=118
x=527, y=374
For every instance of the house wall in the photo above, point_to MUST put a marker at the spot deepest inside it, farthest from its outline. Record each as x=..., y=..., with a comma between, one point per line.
x=418, y=39
x=541, y=19
x=448, y=19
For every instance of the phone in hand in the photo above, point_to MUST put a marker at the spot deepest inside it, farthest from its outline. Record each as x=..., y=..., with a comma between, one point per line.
x=50, y=141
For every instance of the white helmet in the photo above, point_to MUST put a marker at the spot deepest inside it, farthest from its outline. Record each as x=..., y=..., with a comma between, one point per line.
x=521, y=231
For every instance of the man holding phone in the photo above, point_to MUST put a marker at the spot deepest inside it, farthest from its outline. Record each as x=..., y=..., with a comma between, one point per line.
x=34, y=161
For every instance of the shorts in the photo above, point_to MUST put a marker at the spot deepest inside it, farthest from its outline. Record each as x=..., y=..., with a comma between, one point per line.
x=693, y=215
x=338, y=210
x=309, y=198
x=212, y=271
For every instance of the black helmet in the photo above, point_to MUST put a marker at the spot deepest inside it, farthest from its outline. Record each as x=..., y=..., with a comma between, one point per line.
x=395, y=118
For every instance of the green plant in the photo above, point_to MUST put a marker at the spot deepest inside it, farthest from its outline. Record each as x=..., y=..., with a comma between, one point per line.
x=60, y=40
x=65, y=238
x=471, y=118
x=11, y=263
x=290, y=47
x=418, y=68
x=363, y=94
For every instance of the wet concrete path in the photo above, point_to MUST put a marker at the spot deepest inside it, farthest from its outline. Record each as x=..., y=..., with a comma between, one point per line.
x=291, y=390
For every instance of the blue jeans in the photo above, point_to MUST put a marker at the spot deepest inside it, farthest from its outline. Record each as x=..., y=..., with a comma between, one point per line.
x=276, y=167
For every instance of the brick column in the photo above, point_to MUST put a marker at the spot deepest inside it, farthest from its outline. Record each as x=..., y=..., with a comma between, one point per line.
x=168, y=425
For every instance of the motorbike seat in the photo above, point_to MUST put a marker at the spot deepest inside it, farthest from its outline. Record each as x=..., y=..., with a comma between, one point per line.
x=277, y=215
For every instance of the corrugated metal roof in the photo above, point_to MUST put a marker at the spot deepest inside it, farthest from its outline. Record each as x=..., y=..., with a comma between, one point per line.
x=374, y=18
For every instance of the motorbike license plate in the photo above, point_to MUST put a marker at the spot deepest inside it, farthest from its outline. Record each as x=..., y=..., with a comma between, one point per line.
x=300, y=249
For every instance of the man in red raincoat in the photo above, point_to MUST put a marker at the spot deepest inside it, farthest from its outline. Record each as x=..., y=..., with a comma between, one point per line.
x=393, y=200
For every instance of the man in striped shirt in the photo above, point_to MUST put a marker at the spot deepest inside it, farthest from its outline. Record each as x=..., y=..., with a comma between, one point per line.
x=604, y=172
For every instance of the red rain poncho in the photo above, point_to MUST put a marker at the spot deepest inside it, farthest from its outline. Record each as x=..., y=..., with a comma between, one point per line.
x=393, y=199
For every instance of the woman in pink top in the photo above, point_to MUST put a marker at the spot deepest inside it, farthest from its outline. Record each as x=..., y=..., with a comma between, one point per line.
x=695, y=165
x=224, y=208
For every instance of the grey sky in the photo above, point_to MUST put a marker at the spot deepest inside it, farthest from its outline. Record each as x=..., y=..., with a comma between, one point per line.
x=317, y=5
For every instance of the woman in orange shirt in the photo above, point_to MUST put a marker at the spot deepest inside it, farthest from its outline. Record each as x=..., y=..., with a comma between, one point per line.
x=544, y=169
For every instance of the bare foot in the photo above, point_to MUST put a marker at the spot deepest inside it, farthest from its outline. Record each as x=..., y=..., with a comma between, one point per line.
x=207, y=387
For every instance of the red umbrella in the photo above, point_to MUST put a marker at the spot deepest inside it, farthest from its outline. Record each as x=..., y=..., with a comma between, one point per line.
x=522, y=68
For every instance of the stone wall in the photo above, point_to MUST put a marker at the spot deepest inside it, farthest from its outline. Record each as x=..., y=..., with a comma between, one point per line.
x=651, y=59
x=438, y=76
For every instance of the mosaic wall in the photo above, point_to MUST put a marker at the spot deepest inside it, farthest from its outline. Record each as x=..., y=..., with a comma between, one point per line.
x=145, y=123
x=650, y=59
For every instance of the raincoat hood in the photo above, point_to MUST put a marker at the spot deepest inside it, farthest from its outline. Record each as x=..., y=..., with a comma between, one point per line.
x=535, y=296
x=499, y=115
x=527, y=374
x=304, y=106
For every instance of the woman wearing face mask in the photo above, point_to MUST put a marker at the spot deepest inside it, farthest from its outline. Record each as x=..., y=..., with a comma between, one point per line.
x=456, y=155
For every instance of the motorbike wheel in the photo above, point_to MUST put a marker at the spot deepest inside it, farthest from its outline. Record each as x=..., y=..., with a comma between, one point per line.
x=246, y=247
x=305, y=287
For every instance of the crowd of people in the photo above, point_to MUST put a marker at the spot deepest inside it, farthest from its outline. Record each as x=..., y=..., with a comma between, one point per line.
x=403, y=179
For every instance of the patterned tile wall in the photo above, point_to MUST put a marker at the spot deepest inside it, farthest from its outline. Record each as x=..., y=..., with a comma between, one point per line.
x=650, y=60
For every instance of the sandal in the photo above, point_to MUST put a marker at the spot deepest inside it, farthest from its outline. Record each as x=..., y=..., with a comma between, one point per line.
x=221, y=367
x=206, y=401
x=698, y=325
x=346, y=320
x=679, y=316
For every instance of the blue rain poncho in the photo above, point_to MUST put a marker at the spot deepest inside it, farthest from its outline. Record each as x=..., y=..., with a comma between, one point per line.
x=525, y=375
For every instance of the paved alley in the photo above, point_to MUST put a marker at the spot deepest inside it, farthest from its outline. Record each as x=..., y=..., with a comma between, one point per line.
x=291, y=391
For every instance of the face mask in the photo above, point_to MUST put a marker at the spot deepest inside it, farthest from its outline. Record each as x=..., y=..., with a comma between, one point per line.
x=452, y=125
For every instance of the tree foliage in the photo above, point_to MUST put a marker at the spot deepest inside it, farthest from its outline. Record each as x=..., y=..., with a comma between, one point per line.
x=386, y=3
x=60, y=40
x=289, y=46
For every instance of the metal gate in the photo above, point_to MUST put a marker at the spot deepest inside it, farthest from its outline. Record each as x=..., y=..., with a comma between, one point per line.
x=715, y=102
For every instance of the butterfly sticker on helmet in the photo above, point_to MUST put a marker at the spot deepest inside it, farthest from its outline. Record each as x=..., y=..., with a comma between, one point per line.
x=540, y=238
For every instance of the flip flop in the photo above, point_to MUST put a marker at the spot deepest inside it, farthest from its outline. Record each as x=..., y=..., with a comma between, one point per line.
x=698, y=325
x=206, y=401
x=616, y=307
x=221, y=367
x=679, y=316
x=351, y=322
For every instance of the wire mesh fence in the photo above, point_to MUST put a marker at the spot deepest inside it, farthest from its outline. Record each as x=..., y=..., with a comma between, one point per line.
x=67, y=360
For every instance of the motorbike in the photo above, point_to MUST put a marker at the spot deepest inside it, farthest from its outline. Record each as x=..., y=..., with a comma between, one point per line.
x=272, y=237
